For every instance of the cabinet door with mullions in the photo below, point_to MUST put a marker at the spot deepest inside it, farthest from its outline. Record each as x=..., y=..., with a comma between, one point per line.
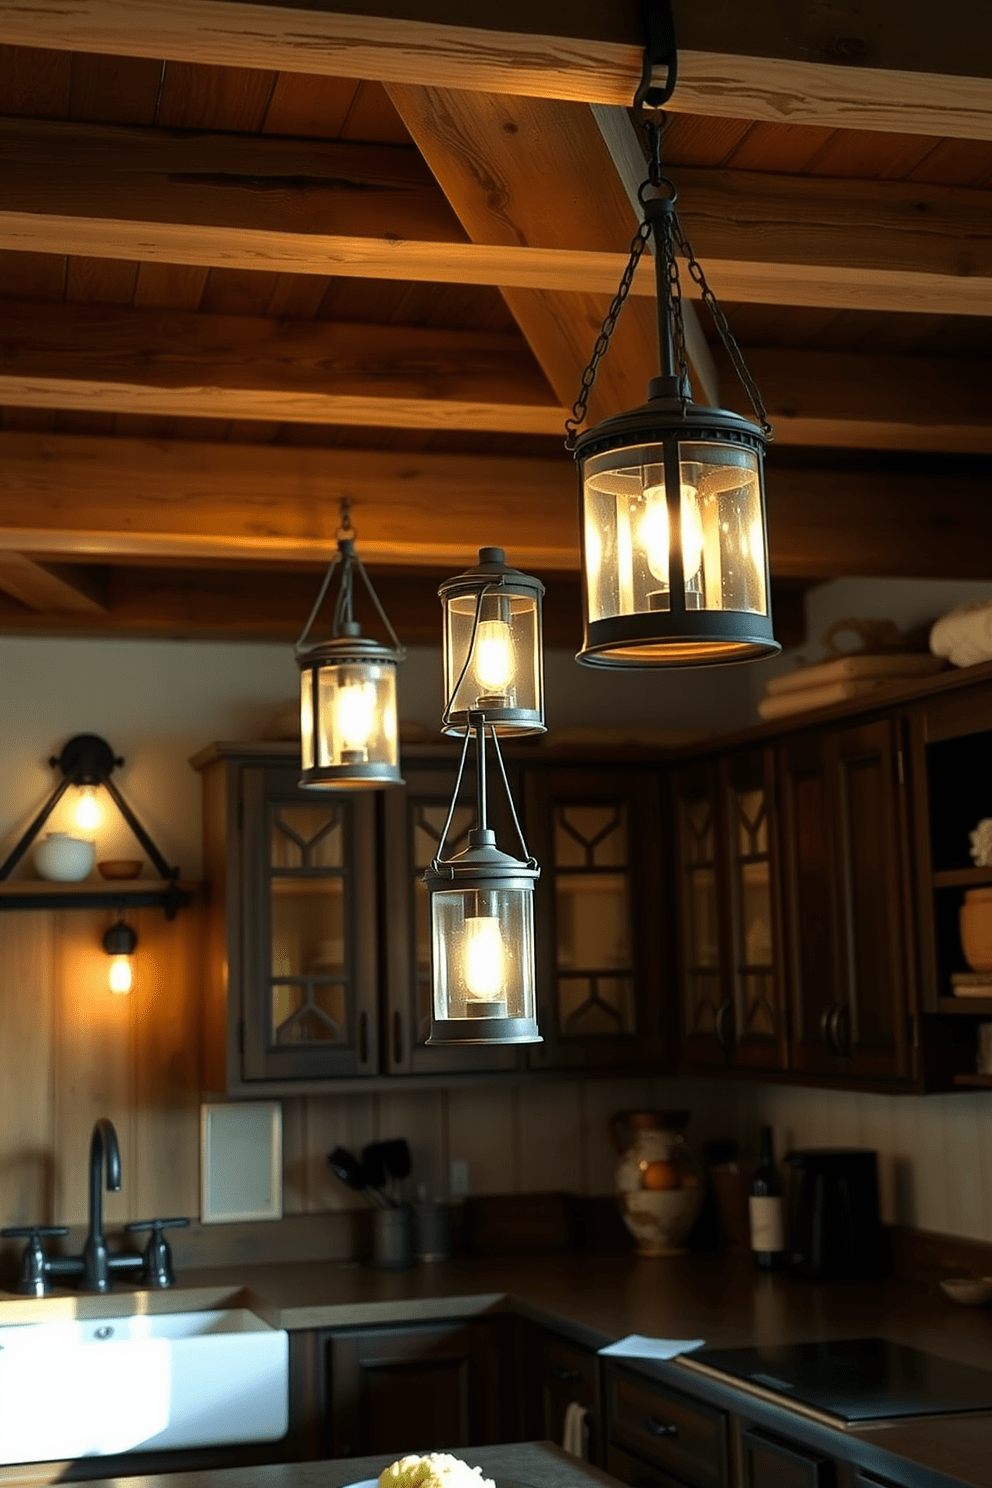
x=309, y=930
x=707, y=1004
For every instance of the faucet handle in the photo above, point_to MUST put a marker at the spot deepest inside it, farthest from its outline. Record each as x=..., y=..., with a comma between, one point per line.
x=157, y=1253
x=14, y=1232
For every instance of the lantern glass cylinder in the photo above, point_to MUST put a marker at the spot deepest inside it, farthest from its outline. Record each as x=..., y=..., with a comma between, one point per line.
x=348, y=724
x=493, y=660
x=675, y=557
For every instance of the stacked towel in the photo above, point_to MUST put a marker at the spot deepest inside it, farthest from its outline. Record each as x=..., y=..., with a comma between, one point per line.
x=840, y=680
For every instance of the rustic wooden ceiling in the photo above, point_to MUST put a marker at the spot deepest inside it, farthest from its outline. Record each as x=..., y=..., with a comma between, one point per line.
x=230, y=295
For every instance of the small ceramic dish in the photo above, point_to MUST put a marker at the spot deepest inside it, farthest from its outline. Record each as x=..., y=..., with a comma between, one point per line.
x=970, y=1291
x=120, y=868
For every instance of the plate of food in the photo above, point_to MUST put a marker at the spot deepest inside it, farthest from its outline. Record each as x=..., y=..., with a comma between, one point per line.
x=433, y=1470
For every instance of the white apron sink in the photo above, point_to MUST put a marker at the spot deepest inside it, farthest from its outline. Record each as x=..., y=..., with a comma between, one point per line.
x=182, y=1379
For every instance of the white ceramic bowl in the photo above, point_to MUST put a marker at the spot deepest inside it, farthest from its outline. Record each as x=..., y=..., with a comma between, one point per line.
x=64, y=859
x=970, y=1291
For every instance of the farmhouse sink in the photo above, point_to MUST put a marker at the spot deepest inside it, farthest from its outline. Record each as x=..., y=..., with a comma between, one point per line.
x=117, y=1384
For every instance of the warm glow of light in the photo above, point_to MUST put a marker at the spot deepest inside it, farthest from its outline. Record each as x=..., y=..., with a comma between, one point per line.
x=306, y=720
x=484, y=957
x=653, y=532
x=87, y=810
x=121, y=977
x=355, y=714
x=494, y=656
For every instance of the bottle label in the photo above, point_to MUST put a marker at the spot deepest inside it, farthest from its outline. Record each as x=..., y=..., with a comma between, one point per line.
x=767, y=1225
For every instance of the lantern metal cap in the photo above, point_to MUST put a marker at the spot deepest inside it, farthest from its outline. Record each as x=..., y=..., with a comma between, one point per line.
x=340, y=649
x=484, y=1031
x=492, y=568
x=660, y=416
x=481, y=859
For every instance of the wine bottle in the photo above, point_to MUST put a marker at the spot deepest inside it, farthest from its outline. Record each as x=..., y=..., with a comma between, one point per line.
x=767, y=1210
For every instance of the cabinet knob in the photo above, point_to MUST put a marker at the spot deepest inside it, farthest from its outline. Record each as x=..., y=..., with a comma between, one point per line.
x=660, y=1428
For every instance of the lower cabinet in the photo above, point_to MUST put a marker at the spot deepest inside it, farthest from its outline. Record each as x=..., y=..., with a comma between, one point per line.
x=770, y=1463
x=664, y=1429
x=553, y=1374
x=434, y=1387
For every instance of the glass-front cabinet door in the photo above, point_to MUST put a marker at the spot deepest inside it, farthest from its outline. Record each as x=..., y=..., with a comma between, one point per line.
x=596, y=836
x=414, y=824
x=708, y=1028
x=309, y=931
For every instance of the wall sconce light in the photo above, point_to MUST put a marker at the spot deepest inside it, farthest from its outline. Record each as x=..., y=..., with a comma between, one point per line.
x=349, y=735
x=482, y=924
x=120, y=943
x=88, y=762
x=674, y=551
x=493, y=654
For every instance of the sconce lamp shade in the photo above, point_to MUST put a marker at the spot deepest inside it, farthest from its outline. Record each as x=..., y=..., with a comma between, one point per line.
x=493, y=654
x=482, y=930
x=348, y=729
x=675, y=559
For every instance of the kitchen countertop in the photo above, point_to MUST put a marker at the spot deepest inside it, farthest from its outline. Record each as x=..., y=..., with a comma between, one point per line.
x=596, y=1298
x=536, y=1464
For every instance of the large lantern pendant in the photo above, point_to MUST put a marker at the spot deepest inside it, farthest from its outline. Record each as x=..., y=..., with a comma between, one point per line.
x=672, y=504
x=349, y=738
x=493, y=656
x=482, y=927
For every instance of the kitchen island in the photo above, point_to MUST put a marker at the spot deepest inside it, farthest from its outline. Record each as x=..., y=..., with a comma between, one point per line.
x=594, y=1299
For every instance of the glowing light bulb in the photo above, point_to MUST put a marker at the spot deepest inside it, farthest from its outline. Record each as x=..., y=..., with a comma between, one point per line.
x=653, y=532
x=355, y=715
x=484, y=958
x=121, y=976
x=87, y=810
x=494, y=656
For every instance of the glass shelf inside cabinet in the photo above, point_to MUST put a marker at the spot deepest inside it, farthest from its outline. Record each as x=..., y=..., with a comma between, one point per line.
x=595, y=986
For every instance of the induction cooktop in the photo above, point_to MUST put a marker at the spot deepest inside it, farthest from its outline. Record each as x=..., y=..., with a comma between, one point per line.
x=858, y=1379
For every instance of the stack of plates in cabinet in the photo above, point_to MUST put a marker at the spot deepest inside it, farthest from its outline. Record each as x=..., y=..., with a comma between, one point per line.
x=842, y=679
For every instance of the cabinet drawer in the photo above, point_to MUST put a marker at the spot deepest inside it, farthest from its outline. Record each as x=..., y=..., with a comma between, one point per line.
x=629, y=1469
x=769, y=1463
x=569, y=1371
x=670, y=1430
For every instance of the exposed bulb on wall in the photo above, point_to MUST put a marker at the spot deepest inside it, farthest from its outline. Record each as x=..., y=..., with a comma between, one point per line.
x=88, y=813
x=120, y=943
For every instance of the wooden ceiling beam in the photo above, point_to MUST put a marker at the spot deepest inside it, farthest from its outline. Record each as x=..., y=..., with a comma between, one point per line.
x=884, y=67
x=249, y=202
x=131, y=500
x=125, y=360
x=50, y=588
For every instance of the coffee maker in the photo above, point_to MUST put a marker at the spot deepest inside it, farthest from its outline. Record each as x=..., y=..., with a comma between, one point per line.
x=835, y=1229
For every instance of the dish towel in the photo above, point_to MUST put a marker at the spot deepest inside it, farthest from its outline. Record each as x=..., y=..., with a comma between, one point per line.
x=575, y=1436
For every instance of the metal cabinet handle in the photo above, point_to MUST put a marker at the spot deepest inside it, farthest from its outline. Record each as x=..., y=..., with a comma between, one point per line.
x=363, y=1038
x=660, y=1428
x=842, y=1029
x=558, y=1373
x=723, y=1038
x=397, y=1037
x=828, y=1027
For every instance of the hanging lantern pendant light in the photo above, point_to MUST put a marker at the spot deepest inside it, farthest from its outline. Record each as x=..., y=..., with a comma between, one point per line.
x=482, y=924
x=674, y=552
x=349, y=736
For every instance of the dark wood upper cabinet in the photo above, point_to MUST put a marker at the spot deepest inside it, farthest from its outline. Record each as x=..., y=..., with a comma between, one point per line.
x=844, y=850
x=604, y=990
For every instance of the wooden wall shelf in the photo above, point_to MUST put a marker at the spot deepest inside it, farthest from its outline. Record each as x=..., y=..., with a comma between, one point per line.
x=122, y=893
x=962, y=878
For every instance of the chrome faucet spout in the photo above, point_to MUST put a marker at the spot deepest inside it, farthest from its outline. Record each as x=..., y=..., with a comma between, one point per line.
x=105, y=1157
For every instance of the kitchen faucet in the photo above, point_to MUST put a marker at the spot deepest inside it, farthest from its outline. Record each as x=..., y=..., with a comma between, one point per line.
x=96, y=1265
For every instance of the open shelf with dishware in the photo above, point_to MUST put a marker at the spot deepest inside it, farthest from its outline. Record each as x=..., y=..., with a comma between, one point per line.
x=135, y=893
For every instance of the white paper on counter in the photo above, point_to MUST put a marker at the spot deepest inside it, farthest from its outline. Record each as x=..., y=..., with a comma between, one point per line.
x=636, y=1346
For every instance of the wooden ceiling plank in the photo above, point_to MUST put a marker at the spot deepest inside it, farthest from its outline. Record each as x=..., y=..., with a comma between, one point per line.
x=60, y=495
x=905, y=75
x=103, y=359
x=373, y=211
x=47, y=588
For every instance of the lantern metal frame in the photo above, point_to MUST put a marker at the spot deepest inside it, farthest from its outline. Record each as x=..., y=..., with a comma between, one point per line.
x=483, y=867
x=346, y=647
x=492, y=578
x=677, y=634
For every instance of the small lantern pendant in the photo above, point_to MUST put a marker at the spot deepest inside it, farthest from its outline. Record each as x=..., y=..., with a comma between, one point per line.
x=349, y=737
x=493, y=660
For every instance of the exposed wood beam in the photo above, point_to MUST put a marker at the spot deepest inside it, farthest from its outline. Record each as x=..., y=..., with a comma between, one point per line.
x=620, y=138
x=865, y=400
x=535, y=171
x=100, y=357
x=372, y=210
x=782, y=63
x=133, y=499
x=49, y=589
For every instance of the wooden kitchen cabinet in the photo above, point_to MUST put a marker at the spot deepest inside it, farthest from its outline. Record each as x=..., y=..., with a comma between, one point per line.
x=434, y=1387
x=554, y=1373
x=604, y=984
x=664, y=1429
x=728, y=886
x=292, y=964
x=844, y=853
x=771, y=1463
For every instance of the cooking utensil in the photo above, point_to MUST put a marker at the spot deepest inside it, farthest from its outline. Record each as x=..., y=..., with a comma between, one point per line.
x=344, y=1165
x=387, y=1164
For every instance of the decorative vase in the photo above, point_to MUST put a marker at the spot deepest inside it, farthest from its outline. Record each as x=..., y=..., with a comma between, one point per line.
x=976, y=929
x=657, y=1185
x=64, y=859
